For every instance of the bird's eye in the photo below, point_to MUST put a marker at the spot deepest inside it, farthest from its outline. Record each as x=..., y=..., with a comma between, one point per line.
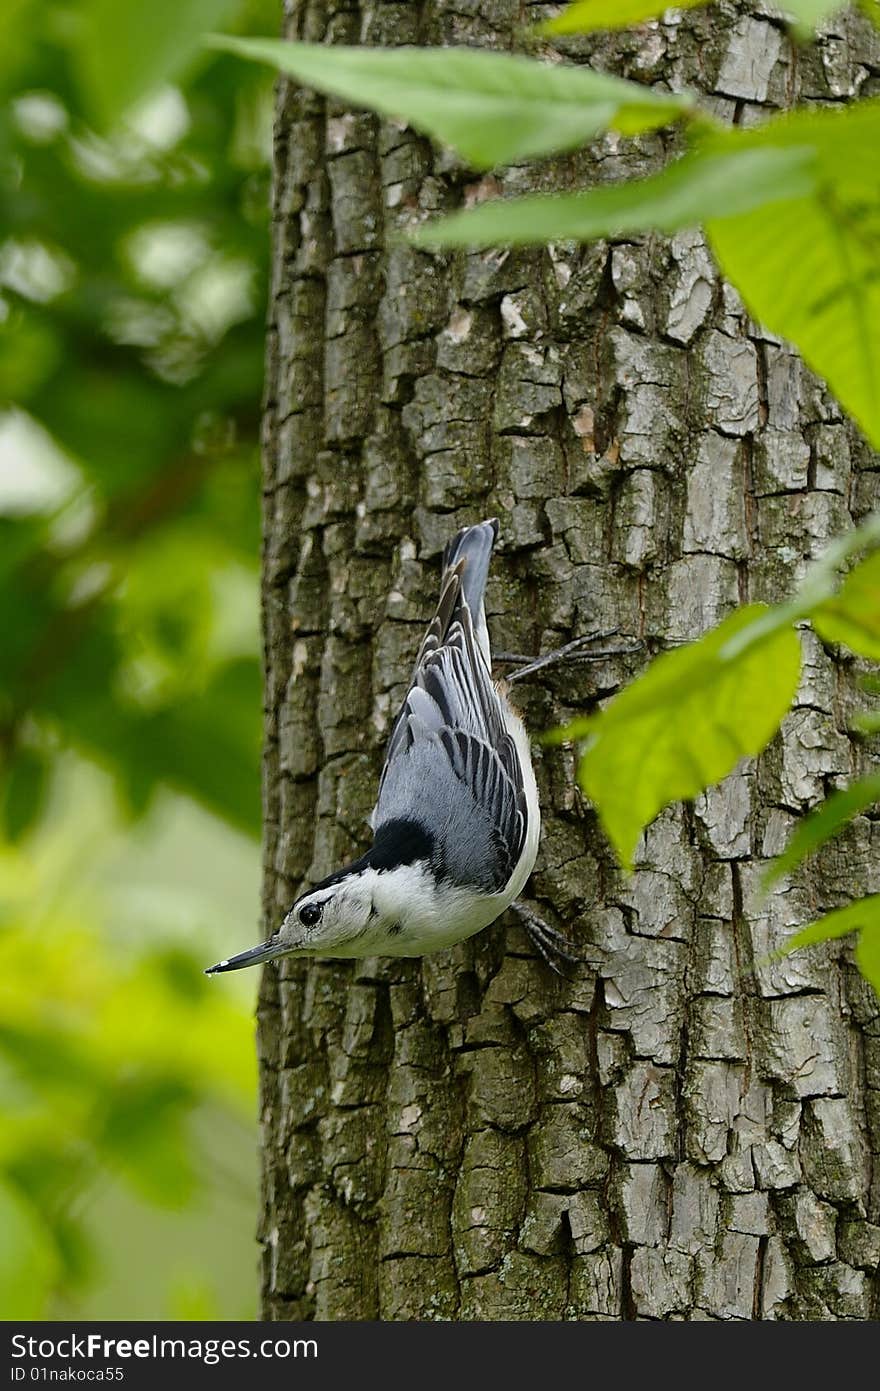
x=310, y=913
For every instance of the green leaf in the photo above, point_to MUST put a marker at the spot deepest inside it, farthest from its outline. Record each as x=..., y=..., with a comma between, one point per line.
x=586, y=15
x=865, y=912
x=871, y=8
x=823, y=823
x=492, y=107
x=819, y=584
x=697, y=187
x=868, y=953
x=809, y=266
x=684, y=725
x=800, y=239
x=853, y=615
x=867, y=722
x=807, y=15
x=126, y=51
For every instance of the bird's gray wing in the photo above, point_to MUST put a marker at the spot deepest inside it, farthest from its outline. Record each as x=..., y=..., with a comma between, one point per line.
x=450, y=759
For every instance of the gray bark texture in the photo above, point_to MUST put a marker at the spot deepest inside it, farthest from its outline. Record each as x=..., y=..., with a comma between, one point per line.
x=679, y=1130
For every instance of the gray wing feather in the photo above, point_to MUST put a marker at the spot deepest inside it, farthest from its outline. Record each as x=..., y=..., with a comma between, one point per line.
x=450, y=739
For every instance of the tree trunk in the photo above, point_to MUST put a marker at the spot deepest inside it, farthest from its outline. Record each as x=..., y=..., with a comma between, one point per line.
x=679, y=1130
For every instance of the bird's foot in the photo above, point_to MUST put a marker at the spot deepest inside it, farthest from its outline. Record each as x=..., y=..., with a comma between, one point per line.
x=553, y=945
x=574, y=651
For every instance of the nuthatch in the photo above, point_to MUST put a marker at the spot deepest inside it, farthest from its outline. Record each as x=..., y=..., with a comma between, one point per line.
x=456, y=821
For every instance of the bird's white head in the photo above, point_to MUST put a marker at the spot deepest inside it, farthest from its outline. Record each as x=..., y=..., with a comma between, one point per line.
x=331, y=916
x=325, y=922
x=351, y=912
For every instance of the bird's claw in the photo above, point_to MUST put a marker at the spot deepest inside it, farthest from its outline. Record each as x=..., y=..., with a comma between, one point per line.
x=552, y=944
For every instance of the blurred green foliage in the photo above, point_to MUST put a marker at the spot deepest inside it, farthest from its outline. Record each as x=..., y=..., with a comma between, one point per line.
x=133, y=264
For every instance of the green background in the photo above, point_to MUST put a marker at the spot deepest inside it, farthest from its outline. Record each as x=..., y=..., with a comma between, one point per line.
x=133, y=261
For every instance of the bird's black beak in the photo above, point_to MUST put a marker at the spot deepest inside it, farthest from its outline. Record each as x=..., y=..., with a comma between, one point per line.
x=254, y=956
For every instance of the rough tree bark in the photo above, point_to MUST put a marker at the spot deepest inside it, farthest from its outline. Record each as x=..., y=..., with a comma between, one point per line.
x=678, y=1131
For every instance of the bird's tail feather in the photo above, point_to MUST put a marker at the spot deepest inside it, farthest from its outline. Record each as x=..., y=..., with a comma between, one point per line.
x=474, y=545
